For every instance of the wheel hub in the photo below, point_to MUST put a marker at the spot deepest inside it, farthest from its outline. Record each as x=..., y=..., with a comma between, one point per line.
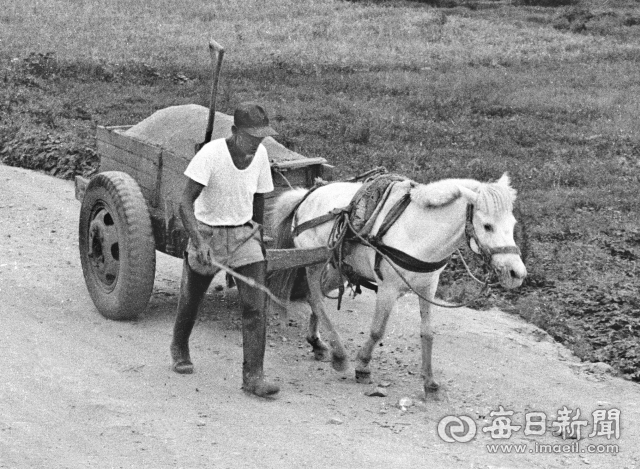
x=104, y=248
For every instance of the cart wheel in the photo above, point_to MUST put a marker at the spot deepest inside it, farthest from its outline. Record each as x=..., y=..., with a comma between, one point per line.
x=117, y=248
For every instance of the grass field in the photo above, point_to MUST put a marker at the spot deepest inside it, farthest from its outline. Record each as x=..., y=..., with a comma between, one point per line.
x=551, y=95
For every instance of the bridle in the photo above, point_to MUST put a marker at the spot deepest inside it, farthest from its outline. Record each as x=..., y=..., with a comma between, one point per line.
x=485, y=251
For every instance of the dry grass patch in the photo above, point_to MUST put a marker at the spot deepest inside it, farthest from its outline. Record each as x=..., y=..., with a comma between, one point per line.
x=323, y=32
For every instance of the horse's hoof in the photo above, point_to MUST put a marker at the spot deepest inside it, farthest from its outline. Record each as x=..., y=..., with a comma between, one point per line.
x=321, y=352
x=431, y=387
x=183, y=367
x=321, y=355
x=180, y=360
x=363, y=377
x=339, y=363
x=260, y=388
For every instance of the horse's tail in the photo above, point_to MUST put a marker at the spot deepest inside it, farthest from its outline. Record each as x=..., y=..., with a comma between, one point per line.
x=281, y=218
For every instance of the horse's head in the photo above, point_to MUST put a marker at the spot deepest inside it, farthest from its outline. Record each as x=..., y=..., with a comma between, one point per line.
x=489, y=229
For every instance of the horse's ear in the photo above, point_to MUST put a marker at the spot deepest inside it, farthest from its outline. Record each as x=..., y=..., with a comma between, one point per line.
x=505, y=180
x=468, y=194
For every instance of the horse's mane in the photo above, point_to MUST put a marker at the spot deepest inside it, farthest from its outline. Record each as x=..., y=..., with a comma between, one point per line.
x=496, y=196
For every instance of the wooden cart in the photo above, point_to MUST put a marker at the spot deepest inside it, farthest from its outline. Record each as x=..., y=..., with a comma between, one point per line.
x=130, y=207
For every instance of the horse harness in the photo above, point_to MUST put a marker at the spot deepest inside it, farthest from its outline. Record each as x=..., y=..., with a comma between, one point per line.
x=353, y=224
x=344, y=231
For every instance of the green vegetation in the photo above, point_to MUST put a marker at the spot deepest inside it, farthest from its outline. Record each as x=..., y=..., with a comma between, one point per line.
x=549, y=94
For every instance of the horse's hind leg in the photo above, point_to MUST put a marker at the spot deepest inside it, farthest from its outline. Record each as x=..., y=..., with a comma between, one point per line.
x=319, y=346
x=385, y=302
x=318, y=312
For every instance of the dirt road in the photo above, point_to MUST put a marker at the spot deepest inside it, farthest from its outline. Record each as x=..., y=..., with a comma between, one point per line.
x=81, y=391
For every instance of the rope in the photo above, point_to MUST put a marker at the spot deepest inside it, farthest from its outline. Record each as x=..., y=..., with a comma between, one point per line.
x=247, y=280
x=279, y=173
x=368, y=175
x=469, y=270
x=335, y=243
x=255, y=229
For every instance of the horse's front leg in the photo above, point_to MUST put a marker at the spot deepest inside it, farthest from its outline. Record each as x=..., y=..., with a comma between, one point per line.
x=426, y=335
x=385, y=303
x=318, y=313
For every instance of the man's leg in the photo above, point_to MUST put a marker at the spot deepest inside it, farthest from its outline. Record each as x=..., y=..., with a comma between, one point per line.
x=192, y=290
x=254, y=331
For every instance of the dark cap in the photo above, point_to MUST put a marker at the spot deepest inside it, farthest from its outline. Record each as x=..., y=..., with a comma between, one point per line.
x=252, y=118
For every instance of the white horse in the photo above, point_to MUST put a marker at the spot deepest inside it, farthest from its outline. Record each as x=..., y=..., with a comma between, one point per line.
x=434, y=224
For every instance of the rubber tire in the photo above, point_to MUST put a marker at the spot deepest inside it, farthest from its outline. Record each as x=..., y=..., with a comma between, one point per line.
x=115, y=196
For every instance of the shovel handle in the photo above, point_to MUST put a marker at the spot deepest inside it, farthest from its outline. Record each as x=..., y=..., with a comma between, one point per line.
x=217, y=53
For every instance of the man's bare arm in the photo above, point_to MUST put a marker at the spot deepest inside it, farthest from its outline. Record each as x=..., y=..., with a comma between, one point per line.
x=187, y=214
x=258, y=208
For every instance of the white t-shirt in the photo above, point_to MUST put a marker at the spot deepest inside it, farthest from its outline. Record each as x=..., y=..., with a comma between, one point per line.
x=227, y=198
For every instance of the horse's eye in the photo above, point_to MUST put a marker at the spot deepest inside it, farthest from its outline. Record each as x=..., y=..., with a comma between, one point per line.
x=488, y=228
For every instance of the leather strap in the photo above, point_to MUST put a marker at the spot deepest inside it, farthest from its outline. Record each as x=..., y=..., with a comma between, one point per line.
x=405, y=261
x=505, y=250
x=393, y=215
x=398, y=257
x=307, y=225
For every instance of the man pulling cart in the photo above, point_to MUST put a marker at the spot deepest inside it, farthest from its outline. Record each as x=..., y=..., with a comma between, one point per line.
x=222, y=209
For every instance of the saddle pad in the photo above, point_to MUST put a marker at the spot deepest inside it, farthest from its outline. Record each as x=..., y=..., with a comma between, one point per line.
x=367, y=199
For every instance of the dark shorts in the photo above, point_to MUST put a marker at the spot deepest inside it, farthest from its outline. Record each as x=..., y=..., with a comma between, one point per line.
x=233, y=246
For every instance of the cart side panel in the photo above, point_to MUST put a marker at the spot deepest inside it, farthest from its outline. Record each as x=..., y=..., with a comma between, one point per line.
x=171, y=189
x=173, y=178
x=141, y=161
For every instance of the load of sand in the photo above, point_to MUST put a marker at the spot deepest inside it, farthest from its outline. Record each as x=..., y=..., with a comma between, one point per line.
x=179, y=128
